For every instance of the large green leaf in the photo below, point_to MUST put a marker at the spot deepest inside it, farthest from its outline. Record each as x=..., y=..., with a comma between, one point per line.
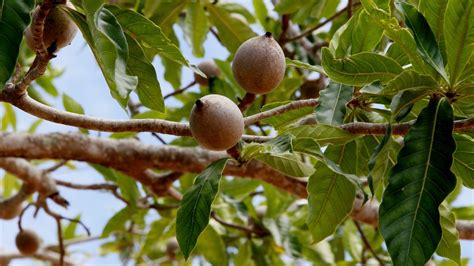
x=109, y=45
x=118, y=220
x=360, y=69
x=332, y=103
x=449, y=246
x=463, y=164
x=401, y=36
x=14, y=18
x=424, y=38
x=459, y=36
x=148, y=87
x=197, y=27
x=232, y=31
x=409, y=80
x=323, y=134
x=330, y=201
x=434, y=14
x=359, y=34
x=195, y=209
x=418, y=183
x=147, y=34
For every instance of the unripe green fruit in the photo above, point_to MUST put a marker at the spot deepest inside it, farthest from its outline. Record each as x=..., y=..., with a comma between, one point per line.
x=58, y=29
x=259, y=64
x=27, y=242
x=210, y=69
x=216, y=122
x=10, y=212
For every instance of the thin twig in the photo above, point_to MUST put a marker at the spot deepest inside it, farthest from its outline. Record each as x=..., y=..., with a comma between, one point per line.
x=247, y=230
x=159, y=138
x=176, y=92
x=320, y=25
x=56, y=166
x=102, y=186
x=367, y=243
x=349, y=8
x=280, y=110
x=247, y=101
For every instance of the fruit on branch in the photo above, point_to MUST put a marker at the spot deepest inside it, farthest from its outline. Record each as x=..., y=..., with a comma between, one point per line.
x=172, y=247
x=58, y=31
x=259, y=64
x=216, y=122
x=27, y=242
x=10, y=211
x=210, y=69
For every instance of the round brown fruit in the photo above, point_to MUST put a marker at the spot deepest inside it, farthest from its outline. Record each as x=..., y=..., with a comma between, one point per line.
x=58, y=29
x=216, y=122
x=210, y=69
x=172, y=247
x=11, y=211
x=259, y=64
x=27, y=242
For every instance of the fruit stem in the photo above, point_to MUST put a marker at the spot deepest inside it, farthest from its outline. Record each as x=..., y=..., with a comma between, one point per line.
x=245, y=103
x=199, y=104
x=268, y=34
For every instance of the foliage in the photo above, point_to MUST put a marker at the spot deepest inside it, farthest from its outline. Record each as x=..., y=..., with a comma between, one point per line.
x=382, y=62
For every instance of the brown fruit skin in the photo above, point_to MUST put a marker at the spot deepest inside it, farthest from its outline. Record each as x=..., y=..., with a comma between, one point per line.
x=172, y=247
x=27, y=242
x=58, y=28
x=216, y=122
x=259, y=64
x=210, y=69
x=12, y=211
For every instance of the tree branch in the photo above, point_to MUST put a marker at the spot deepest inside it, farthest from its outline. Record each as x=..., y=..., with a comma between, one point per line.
x=35, y=178
x=41, y=255
x=131, y=156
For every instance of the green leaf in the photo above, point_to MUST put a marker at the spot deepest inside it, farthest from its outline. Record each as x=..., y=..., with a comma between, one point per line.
x=278, y=201
x=409, y=80
x=195, y=209
x=323, y=134
x=352, y=241
x=212, y=246
x=71, y=105
x=434, y=14
x=244, y=256
x=424, y=38
x=232, y=31
x=303, y=65
x=459, y=36
x=285, y=119
x=463, y=164
x=147, y=33
x=395, y=51
x=401, y=36
x=128, y=187
x=332, y=103
x=118, y=221
x=465, y=213
x=70, y=230
x=403, y=102
x=148, y=87
x=107, y=41
x=359, y=34
x=261, y=11
x=418, y=183
x=14, y=18
x=360, y=69
x=164, y=13
x=449, y=246
x=9, y=183
x=9, y=117
x=196, y=27
x=330, y=201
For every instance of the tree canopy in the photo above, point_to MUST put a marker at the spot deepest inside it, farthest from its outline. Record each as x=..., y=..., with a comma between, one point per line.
x=355, y=157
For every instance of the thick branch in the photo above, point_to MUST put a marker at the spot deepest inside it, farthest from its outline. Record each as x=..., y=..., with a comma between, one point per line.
x=133, y=156
x=36, y=179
